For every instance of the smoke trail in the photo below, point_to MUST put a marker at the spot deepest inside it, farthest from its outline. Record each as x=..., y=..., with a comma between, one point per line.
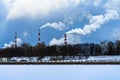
x=11, y=44
x=71, y=39
x=55, y=25
x=96, y=22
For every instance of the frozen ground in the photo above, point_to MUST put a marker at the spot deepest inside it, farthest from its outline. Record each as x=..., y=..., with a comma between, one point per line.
x=59, y=72
x=68, y=59
x=105, y=58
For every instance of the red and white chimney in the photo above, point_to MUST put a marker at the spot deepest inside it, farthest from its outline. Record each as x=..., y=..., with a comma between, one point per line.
x=15, y=40
x=65, y=39
x=39, y=36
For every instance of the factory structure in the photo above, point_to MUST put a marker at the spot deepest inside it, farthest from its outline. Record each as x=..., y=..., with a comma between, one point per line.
x=15, y=41
x=68, y=59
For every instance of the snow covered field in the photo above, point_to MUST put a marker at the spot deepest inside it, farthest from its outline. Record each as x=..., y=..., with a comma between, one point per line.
x=60, y=72
x=69, y=59
x=104, y=58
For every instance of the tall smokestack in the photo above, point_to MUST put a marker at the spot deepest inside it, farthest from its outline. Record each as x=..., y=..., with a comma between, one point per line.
x=15, y=40
x=65, y=39
x=39, y=36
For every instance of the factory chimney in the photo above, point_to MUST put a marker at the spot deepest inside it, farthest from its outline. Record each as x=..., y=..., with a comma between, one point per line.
x=15, y=40
x=65, y=39
x=39, y=36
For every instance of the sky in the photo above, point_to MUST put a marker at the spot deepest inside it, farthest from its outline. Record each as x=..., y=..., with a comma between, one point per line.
x=60, y=72
x=82, y=20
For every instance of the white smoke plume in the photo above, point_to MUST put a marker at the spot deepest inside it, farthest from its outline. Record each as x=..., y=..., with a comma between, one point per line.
x=71, y=39
x=55, y=41
x=12, y=44
x=96, y=22
x=55, y=25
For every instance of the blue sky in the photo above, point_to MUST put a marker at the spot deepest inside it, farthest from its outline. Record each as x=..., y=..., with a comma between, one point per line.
x=59, y=72
x=82, y=20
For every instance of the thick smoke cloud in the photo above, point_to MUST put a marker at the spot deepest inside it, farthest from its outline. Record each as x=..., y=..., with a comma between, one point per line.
x=11, y=44
x=96, y=22
x=61, y=25
x=55, y=25
x=42, y=8
x=71, y=39
x=55, y=41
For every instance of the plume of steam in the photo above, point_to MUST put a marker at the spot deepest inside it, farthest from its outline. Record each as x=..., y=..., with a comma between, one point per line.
x=96, y=22
x=55, y=25
x=55, y=41
x=11, y=44
x=72, y=39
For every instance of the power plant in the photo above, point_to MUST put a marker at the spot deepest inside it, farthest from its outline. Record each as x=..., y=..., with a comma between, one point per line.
x=39, y=35
x=65, y=54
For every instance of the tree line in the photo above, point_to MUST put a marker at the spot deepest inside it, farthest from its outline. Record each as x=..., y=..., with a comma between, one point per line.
x=84, y=49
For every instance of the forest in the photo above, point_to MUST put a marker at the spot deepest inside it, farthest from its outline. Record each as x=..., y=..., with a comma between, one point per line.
x=84, y=49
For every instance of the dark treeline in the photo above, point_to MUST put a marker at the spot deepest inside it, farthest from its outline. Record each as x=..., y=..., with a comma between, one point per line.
x=41, y=50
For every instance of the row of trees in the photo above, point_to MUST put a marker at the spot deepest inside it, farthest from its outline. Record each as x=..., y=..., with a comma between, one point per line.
x=40, y=49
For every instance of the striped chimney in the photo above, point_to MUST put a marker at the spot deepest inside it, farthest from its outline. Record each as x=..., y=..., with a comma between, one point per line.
x=65, y=39
x=39, y=36
x=15, y=40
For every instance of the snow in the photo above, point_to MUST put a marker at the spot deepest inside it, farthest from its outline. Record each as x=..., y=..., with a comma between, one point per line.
x=29, y=59
x=104, y=58
x=33, y=59
x=59, y=72
x=67, y=59
x=47, y=58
